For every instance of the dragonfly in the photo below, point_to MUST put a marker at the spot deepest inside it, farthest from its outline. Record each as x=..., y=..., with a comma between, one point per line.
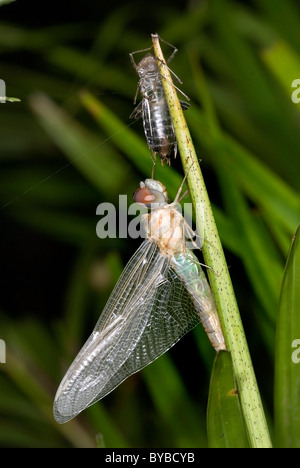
x=153, y=109
x=161, y=295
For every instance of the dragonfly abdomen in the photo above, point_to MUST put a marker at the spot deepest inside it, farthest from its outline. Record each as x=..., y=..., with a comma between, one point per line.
x=158, y=127
x=188, y=269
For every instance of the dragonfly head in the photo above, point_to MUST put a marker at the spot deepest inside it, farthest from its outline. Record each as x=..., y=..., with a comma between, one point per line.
x=147, y=65
x=151, y=192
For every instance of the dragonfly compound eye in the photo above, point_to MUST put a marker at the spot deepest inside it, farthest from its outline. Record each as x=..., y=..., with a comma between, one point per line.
x=143, y=195
x=148, y=196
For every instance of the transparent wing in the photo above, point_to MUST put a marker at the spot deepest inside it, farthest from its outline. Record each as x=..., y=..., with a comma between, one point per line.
x=137, y=111
x=148, y=311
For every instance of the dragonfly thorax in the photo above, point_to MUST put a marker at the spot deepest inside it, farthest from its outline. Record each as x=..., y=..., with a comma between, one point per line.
x=165, y=226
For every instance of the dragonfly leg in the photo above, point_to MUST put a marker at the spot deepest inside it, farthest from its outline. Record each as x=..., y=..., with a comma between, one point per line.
x=137, y=52
x=177, y=78
x=168, y=61
x=178, y=198
x=170, y=45
x=136, y=93
x=153, y=167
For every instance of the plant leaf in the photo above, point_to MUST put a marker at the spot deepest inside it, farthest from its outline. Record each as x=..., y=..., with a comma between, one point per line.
x=225, y=423
x=287, y=361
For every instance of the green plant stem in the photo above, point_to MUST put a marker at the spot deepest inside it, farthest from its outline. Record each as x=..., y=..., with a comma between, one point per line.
x=218, y=274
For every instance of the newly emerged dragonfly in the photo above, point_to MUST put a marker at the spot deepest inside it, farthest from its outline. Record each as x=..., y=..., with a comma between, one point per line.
x=161, y=295
x=153, y=109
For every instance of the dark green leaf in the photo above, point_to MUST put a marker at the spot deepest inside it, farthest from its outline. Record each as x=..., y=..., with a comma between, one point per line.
x=225, y=424
x=287, y=364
